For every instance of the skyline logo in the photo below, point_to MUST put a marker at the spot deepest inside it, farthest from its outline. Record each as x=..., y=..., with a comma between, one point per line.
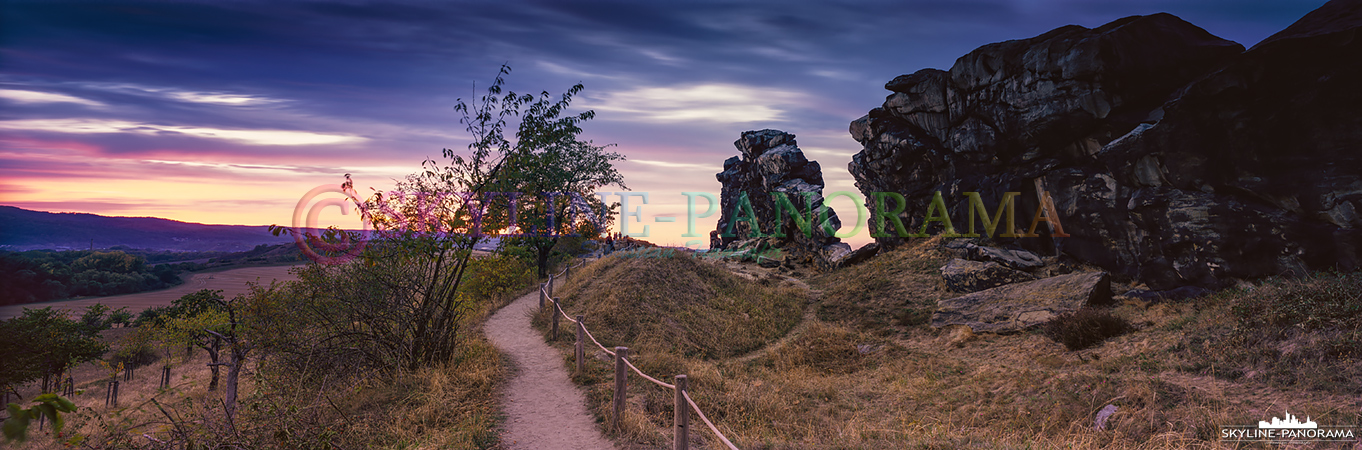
x=1288, y=430
x=1291, y=422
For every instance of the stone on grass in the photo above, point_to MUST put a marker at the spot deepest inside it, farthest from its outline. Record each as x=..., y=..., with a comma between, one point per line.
x=1015, y=307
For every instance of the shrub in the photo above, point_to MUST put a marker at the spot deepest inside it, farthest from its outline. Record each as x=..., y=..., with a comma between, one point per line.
x=497, y=276
x=135, y=349
x=1085, y=328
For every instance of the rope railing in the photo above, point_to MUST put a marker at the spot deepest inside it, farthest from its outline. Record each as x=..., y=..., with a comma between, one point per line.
x=646, y=377
x=681, y=441
x=707, y=422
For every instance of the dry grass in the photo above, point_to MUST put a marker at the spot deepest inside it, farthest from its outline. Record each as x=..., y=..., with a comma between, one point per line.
x=449, y=406
x=682, y=305
x=453, y=406
x=858, y=377
x=891, y=293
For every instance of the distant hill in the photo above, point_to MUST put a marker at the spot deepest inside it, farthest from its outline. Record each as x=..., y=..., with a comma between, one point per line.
x=22, y=229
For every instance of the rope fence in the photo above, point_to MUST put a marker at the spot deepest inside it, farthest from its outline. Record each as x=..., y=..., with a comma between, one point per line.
x=681, y=439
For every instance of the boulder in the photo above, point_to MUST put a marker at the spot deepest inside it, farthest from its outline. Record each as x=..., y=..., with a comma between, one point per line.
x=1015, y=259
x=971, y=276
x=1015, y=307
x=770, y=162
x=1172, y=156
x=860, y=255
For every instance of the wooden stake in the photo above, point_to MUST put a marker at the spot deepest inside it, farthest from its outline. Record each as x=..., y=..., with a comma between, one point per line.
x=681, y=440
x=554, y=333
x=581, y=347
x=621, y=383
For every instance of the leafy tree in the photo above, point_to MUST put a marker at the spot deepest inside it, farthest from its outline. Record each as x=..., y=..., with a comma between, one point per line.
x=43, y=343
x=246, y=318
x=121, y=316
x=93, y=320
x=200, y=321
x=153, y=316
x=555, y=175
x=402, y=302
x=196, y=303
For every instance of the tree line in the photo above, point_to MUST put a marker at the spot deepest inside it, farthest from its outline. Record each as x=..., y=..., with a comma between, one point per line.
x=44, y=275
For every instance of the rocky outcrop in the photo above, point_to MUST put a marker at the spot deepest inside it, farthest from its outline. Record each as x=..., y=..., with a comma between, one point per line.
x=1172, y=156
x=963, y=275
x=1015, y=307
x=1012, y=258
x=770, y=162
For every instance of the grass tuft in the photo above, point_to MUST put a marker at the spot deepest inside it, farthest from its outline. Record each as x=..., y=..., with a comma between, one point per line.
x=1085, y=328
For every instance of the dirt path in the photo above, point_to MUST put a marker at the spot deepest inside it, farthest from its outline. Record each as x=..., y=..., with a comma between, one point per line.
x=544, y=410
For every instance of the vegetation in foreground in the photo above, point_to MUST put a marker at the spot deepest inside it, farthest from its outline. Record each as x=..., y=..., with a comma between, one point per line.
x=380, y=350
x=866, y=372
x=291, y=395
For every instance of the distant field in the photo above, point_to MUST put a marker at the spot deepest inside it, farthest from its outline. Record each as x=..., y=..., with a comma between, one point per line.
x=231, y=282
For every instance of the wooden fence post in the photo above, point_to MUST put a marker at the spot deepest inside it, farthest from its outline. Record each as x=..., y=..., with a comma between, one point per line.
x=554, y=333
x=567, y=273
x=681, y=439
x=581, y=347
x=541, y=296
x=550, y=285
x=111, y=393
x=621, y=382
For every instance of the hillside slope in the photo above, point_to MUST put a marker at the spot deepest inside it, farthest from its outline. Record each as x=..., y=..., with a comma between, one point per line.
x=22, y=229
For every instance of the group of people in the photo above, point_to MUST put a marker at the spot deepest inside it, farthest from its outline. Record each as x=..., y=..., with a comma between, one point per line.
x=610, y=242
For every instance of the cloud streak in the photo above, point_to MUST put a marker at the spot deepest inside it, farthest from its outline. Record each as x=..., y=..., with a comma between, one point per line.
x=175, y=99
x=254, y=137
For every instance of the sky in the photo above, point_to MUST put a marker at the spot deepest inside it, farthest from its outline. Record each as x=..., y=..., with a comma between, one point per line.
x=231, y=111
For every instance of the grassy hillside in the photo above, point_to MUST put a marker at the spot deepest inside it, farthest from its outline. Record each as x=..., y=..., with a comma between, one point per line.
x=681, y=305
x=865, y=372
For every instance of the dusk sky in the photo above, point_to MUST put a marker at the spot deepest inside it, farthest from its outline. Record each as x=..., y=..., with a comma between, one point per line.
x=229, y=111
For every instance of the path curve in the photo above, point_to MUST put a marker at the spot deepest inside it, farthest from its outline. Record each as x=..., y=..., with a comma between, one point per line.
x=543, y=409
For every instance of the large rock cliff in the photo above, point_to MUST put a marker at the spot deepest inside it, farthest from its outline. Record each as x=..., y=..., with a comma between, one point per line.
x=769, y=162
x=1173, y=156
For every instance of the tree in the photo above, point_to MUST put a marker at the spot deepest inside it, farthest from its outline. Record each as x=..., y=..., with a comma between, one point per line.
x=93, y=320
x=554, y=175
x=202, y=324
x=425, y=238
x=401, y=303
x=43, y=343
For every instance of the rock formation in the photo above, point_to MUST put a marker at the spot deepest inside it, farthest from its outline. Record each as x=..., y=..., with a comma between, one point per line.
x=770, y=162
x=962, y=275
x=1173, y=156
x=1015, y=307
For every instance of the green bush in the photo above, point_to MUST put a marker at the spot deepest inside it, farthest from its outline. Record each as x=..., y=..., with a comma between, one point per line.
x=1085, y=328
x=496, y=276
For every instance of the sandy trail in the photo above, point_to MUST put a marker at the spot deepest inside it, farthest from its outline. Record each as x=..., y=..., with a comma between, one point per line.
x=544, y=410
